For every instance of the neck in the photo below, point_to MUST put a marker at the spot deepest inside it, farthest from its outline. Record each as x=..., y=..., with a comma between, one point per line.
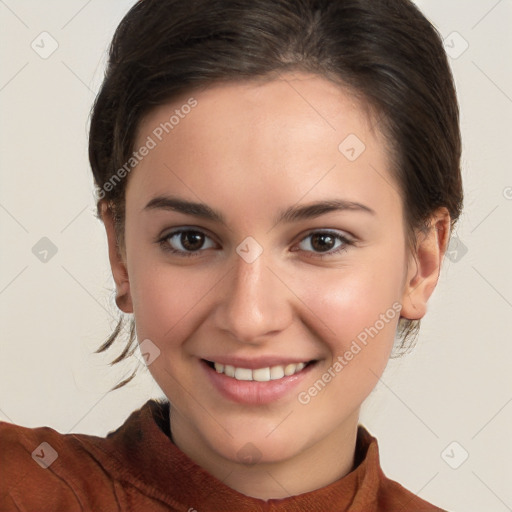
x=319, y=464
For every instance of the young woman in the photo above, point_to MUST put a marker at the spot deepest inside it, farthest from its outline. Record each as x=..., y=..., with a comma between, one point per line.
x=278, y=181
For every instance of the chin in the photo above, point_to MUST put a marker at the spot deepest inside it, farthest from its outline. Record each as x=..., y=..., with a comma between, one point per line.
x=258, y=452
x=266, y=440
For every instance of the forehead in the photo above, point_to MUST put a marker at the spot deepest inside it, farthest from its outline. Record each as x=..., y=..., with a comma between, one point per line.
x=285, y=100
x=287, y=133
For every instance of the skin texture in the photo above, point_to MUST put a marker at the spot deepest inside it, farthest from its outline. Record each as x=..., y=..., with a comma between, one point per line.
x=250, y=150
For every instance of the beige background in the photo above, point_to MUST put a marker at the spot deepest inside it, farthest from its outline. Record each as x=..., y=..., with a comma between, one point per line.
x=455, y=386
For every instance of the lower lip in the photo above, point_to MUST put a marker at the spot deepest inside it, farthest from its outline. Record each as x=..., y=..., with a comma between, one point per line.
x=254, y=392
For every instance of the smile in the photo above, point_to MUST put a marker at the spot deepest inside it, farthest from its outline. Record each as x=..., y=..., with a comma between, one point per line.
x=265, y=382
x=260, y=374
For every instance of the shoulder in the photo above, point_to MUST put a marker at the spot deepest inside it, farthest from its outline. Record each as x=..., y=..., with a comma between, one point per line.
x=394, y=496
x=44, y=470
x=43, y=466
x=387, y=495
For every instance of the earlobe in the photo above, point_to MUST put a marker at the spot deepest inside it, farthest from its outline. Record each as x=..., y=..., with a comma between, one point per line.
x=425, y=265
x=117, y=262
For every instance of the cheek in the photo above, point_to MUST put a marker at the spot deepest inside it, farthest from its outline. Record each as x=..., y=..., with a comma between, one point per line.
x=361, y=309
x=360, y=302
x=165, y=299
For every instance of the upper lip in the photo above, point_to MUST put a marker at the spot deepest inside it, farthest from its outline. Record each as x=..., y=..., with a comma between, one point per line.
x=256, y=362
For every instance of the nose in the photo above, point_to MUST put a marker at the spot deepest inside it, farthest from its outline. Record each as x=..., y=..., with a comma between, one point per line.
x=255, y=302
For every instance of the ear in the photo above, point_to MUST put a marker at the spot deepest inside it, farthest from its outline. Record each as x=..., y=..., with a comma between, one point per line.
x=425, y=265
x=117, y=262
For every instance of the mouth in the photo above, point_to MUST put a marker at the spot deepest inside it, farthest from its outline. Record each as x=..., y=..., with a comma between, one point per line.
x=265, y=374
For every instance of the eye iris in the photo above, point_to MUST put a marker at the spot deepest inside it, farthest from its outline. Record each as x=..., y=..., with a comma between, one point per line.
x=191, y=240
x=326, y=241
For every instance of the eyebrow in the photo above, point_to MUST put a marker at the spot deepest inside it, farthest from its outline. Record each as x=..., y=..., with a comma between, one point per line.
x=291, y=214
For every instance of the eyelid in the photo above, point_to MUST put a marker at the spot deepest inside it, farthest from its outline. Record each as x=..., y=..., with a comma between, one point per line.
x=166, y=233
x=328, y=231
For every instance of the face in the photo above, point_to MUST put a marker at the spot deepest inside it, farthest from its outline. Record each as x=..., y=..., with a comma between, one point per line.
x=292, y=253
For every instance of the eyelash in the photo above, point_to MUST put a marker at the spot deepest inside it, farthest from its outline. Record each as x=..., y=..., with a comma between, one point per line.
x=164, y=243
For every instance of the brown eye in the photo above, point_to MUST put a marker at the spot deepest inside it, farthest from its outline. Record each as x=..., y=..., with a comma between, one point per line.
x=192, y=240
x=324, y=242
x=186, y=242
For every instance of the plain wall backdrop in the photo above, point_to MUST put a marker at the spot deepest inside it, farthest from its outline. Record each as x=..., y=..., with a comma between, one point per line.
x=449, y=399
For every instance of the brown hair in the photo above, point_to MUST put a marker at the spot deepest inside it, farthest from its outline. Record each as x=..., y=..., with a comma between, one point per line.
x=384, y=51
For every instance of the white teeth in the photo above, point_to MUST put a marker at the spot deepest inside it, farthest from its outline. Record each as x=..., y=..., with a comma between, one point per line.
x=259, y=374
x=243, y=374
x=289, y=369
x=276, y=372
